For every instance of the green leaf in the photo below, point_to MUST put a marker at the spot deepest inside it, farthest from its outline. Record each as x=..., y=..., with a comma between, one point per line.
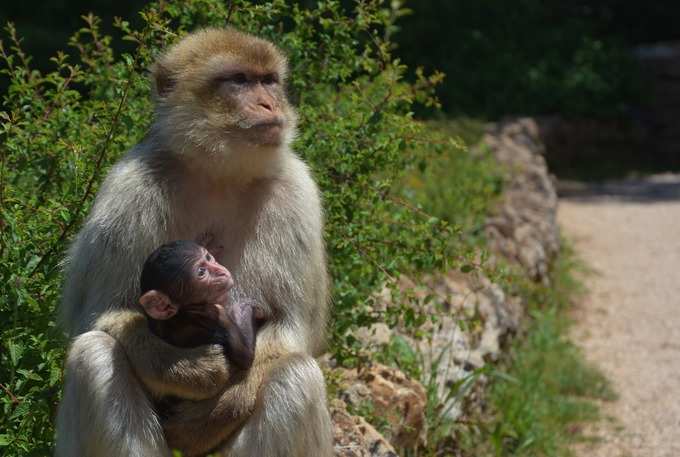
x=15, y=351
x=29, y=374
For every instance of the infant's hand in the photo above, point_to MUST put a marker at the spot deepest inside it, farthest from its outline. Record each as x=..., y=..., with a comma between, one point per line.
x=219, y=313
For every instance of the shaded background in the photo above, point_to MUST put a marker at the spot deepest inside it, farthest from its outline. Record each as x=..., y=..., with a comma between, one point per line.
x=575, y=59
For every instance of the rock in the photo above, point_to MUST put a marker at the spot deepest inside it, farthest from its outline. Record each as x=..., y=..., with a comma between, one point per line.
x=355, y=392
x=376, y=335
x=477, y=320
x=523, y=228
x=394, y=397
x=474, y=317
x=354, y=437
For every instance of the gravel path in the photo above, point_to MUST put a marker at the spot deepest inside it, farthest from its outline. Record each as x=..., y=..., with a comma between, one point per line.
x=629, y=325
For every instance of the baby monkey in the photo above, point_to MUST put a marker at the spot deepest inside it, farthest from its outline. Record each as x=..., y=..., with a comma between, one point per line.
x=184, y=293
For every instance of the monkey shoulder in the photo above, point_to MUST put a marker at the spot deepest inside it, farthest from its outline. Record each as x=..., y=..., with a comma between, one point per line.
x=128, y=219
x=135, y=191
x=299, y=193
x=298, y=177
x=116, y=322
x=131, y=211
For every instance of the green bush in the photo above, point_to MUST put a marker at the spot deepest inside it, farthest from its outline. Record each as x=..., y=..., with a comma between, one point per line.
x=61, y=130
x=525, y=57
x=453, y=183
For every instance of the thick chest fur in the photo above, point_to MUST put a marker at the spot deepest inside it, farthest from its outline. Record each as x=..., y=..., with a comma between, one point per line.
x=258, y=233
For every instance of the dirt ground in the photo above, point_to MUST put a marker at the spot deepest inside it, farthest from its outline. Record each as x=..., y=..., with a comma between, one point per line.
x=629, y=324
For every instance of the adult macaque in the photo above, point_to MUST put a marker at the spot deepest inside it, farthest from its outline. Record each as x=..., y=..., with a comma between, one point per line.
x=216, y=165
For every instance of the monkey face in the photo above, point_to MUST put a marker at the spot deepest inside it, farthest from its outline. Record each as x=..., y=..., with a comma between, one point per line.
x=180, y=274
x=223, y=89
x=209, y=280
x=253, y=103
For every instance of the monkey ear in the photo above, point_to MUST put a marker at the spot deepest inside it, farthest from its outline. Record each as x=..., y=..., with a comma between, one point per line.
x=157, y=305
x=162, y=79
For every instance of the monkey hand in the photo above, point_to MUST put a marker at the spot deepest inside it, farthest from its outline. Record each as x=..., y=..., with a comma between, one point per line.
x=195, y=373
x=218, y=312
x=260, y=314
x=214, y=419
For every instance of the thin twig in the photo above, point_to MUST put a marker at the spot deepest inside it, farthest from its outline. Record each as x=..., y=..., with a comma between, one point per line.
x=382, y=56
x=375, y=263
x=407, y=205
x=3, y=158
x=375, y=109
x=230, y=10
x=63, y=87
x=15, y=400
x=52, y=166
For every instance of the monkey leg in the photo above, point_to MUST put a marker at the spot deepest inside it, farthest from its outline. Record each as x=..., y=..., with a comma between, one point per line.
x=105, y=411
x=277, y=409
x=291, y=417
x=196, y=427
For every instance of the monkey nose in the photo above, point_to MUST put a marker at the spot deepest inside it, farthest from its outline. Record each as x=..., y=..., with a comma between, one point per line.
x=222, y=272
x=266, y=105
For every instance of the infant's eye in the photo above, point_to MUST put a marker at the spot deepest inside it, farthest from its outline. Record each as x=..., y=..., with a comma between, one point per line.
x=208, y=257
x=201, y=272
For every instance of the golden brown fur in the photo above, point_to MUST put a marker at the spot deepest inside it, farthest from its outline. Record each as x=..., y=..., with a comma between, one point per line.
x=210, y=168
x=161, y=371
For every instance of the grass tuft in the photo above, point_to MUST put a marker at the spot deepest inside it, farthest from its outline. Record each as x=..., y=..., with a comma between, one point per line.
x=547, y=394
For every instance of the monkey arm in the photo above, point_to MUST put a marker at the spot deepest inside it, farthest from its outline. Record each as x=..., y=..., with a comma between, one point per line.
x=216, y=419
x=189, y=373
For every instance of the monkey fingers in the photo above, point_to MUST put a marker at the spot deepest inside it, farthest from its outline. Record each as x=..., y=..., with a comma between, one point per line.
x=259, y=313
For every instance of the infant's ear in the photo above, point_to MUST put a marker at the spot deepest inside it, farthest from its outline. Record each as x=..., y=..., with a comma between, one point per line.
x=158, y=305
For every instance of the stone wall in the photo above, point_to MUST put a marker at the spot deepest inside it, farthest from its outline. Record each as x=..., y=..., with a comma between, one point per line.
x=523, y=228
x=475, y=316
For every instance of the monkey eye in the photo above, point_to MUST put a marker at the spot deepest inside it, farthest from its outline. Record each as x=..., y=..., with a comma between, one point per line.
x=208, y=257
x=234, y=78
x=201, y=272
x=239, y=78
x=270, y=78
